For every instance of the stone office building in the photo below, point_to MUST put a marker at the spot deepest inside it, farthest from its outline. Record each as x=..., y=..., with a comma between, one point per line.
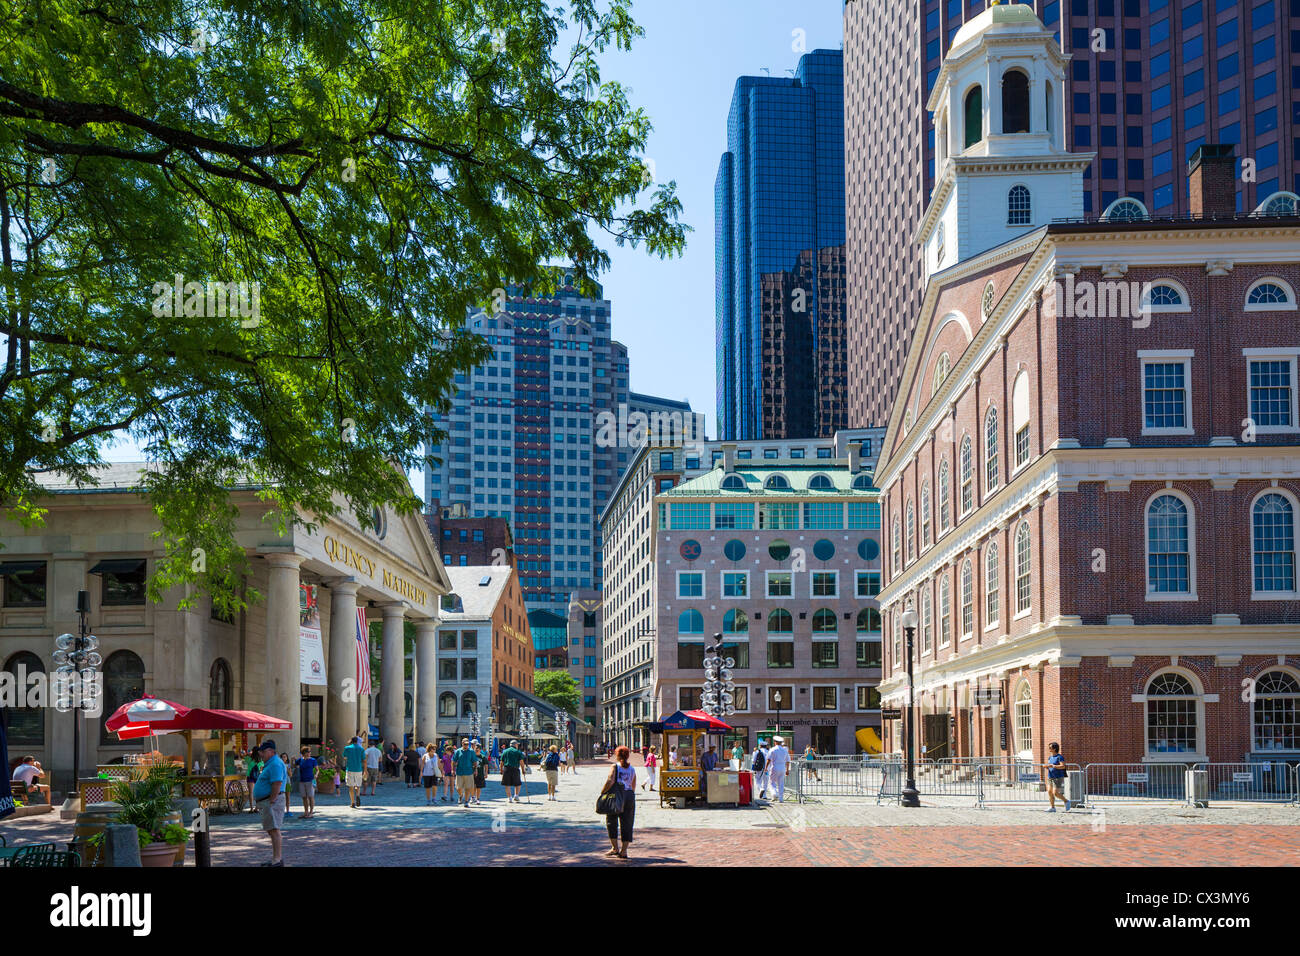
x=101, y=540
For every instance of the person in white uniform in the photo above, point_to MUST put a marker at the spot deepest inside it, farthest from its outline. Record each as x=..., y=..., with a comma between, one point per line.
x=778, y=760
x=758, y=764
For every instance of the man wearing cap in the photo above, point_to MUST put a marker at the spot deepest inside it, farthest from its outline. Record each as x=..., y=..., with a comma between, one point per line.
x=465, y=761
x=512, y=759
x=354, y=763
x=778, y=761
x=268, y=796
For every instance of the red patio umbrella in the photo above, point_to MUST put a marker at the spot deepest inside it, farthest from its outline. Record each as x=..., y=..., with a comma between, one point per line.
x=192, y=718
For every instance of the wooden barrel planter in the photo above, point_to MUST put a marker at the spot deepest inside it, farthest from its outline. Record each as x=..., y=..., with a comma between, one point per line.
x=96, y=817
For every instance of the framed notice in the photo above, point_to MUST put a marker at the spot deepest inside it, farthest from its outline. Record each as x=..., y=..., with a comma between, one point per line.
x=311, y=650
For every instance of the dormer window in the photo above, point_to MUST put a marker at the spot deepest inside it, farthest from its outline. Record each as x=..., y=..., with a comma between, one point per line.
x=1280, y=204
x=776, y=483
x=1125, y=209
x=820, y=483
x=733, y=483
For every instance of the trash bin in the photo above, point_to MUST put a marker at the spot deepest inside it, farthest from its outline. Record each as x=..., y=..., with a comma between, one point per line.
x=746, y=788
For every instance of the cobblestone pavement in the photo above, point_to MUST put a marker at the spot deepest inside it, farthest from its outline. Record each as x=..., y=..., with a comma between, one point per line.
x=396, y=828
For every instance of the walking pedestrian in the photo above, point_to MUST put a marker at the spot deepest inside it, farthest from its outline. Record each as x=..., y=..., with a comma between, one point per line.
x=651, y=762
x=810, y=768
x=465, y=762
x=411, y=765
x=354, y=763
x=1056, y=778
x=511, y=778
x=778, y=760
x=429, y=773
x=480, y=771
x=373, y=756
x=254, y=769
x=573, y=759
x=758, y=764
x=447, y=779
x=268, y=797
x=551, y=764
x=307, y=782
x=619, y=825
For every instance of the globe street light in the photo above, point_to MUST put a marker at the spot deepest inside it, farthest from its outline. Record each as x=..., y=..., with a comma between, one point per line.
x=76, y=677
x=910, y=796
x=718, y=699
x=776, y=699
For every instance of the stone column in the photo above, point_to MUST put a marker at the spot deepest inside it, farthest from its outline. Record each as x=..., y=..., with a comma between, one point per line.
x=393, y=669
x=426, y=679
x=341, y=702
x=283, y=688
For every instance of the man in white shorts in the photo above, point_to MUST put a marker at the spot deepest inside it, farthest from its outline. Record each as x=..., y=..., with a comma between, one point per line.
x=354, y=763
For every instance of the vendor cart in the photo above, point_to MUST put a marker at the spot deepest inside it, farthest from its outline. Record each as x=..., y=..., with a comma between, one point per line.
x=683, y=780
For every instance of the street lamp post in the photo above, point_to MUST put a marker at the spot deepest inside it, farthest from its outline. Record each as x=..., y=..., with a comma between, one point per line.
x=776, y=699
x=718, y=699
x=76, y=678
x=910, y=796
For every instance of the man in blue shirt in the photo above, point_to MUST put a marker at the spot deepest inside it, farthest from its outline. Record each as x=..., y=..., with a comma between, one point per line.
x=1055, y=778
x=354, y=764
x=268, y=796
x=307, y=782
x=465, y=761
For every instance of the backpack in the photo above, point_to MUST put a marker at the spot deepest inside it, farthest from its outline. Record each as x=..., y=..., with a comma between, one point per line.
x=759, y=762
x=552, y=761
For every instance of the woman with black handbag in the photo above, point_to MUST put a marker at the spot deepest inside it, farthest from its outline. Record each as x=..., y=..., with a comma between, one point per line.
x=617, y=801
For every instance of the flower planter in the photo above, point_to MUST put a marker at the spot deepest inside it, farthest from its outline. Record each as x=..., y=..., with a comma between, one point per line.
x=158, y=854
x=325, y=785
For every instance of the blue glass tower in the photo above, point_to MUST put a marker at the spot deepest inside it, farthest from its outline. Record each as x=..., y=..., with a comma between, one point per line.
x=779, y=193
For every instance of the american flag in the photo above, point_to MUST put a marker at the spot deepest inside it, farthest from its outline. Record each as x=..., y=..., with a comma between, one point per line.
x=363, y=653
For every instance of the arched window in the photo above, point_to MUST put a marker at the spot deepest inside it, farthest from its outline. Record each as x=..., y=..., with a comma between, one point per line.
x=1125, y=209
x=898, y=546
x=1169, y=546
x=1019, y=207
x=447, y=705
x=1015, y=102
x=820, y=483
x=1270, y=295
x=1047, y=97
x=944, y=516
x=941, y=369
x=26, y=725
x=967, y=599
x=1020, y=418
x=690, y=622
x=991, y=449
x=1023, y=567
x=1272, y=533
x=992, y=590
x=735, y=621
x=896, y=632
x=1024, y=720
x=468, y=704
x=1165, y=295
x=733, y=483
x=864, y=482
x=927, y=622
x=780, y=622
x=1172, y=723
x=974, y=117
x=967, y=476
x=911, y=530
x=945, y=611
x=1279, y=204
x=123, y=683
x=824, y=621
x=776, y=483
x=1276, y=711
x=219, y=685
x=868, y=620
x=925, y=514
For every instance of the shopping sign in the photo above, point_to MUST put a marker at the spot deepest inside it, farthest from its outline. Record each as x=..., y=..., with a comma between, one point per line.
x=988, y=696
x=891, y=715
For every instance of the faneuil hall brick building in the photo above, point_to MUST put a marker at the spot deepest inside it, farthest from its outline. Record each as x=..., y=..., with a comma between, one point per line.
x=1091, y=477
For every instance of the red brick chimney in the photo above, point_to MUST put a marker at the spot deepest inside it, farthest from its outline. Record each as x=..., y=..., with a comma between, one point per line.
x=1213, y=181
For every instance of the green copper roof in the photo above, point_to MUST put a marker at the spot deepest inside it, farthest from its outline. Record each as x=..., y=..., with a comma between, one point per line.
x=756, y=482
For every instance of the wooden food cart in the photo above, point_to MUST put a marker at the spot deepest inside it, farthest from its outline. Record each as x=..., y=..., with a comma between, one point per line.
x=684, y=780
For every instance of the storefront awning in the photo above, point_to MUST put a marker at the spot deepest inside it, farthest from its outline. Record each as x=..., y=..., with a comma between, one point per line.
x=19, y=567
x=118, y=566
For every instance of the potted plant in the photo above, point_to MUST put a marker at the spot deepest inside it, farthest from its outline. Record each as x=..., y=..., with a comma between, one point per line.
x=146, y=801
x=326, y=770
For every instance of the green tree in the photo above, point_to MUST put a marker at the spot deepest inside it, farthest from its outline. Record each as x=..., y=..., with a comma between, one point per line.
x=371, y=170
x=558, y=688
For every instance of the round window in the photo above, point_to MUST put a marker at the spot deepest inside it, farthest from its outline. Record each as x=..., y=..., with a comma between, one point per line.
x=779, y=550
x=734, y=549
x=823, y=550
x=868, y=549
x=690, y=549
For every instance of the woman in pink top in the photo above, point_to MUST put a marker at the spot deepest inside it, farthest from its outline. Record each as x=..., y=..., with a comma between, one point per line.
x=651, y=761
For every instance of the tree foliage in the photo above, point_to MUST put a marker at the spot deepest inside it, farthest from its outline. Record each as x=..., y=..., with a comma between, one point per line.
x=558, y=688
x=375, y=167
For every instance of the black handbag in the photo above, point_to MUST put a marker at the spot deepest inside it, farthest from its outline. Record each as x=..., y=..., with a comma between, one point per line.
x=612, y=801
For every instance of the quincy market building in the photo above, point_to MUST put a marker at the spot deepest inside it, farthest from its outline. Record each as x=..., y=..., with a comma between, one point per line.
x=100, y=539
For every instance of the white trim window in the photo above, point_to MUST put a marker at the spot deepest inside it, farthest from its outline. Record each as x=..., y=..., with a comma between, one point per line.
x=825, y=698
x=1166, y=391
x=967, y=477
x=991, y=473
x=824, y=584
x=967, y=600
x=1170, y=547
x=1173, y=715
x=1272, y=546
x=780, y=584
x=927, y=622
x=866, y=583
x=925, y=513
x=1275, y=716
x=992, y=587
x=1020, y=419
x=1024, y=720
x=690, y=585
x=945, y=611
x=1024, y=569
x=1270, y=294
x=911, y=531
x=898, y=546
x=896, y=662
x=1019, y=206
x=944, y=502
x=735, y=584
x=1165, y=295
x=1271, y=390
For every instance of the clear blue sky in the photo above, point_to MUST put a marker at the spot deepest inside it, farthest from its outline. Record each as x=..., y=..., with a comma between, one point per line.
x=682, y=72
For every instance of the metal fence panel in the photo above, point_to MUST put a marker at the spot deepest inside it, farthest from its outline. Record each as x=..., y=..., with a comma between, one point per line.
x=1263, y=782
x=1011, y=780
x=851, y=777
x=1135, y=782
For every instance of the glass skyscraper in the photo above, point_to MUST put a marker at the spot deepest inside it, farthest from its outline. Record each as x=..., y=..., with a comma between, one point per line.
x=779, y=195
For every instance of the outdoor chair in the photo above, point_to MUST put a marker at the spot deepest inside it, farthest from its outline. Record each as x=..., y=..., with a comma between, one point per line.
x=44, y=855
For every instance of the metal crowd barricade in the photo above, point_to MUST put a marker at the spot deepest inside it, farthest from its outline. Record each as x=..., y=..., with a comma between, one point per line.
x=839, y=777
x=1262, y=782
x=1135, y=782
x=1013, y=780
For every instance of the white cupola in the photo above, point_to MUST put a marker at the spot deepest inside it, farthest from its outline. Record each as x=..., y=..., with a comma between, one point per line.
x=1001, y=167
